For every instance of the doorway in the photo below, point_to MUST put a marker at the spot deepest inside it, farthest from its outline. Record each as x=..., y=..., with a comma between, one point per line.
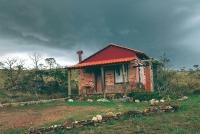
x=98, y=82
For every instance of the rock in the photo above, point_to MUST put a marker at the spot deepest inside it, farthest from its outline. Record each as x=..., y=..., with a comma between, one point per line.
x=154, y=102
x=70, y=100
x=90, y=100
x=118, y=114
x=22, y=104
x=126, y=99
x=169, y=107
x=14, y=104
x=183, y=98
x=99, y=117
x=103, y=100
x=1, y=106
x=110, y=114
x=94, y=119
x=137, y=101
x=166, y=108
x=31, y=130
x=147, y=110
x=76, y=122
x=162, y=100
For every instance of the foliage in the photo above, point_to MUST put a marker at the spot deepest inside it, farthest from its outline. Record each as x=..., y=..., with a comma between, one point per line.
x=16, y=78
x=48, y=81
x=161, y=75
x=51, y=62
x=174, y=83
x=144, y=95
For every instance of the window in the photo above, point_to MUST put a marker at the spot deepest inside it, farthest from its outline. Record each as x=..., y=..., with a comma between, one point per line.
x=119, y=74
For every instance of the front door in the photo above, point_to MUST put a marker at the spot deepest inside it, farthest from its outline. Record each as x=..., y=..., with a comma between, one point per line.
x=98, y=81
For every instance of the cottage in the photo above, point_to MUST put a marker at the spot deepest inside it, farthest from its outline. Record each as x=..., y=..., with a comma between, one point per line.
x=114, y=69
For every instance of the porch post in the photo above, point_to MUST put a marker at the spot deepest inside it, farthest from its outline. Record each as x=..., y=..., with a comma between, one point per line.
x=103, y=81
x=69, y=82
x=123, y=73
x=151, y=73
x=124, y=82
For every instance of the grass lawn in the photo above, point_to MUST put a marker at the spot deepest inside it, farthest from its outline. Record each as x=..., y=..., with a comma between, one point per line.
x=18, y=119
x=186, y=120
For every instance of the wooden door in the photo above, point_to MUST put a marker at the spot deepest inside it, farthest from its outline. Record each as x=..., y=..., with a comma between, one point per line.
x=98, y=81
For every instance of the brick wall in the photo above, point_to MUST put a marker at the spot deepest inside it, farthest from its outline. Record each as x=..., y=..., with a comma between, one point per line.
x=132, y=75
x=87, y=81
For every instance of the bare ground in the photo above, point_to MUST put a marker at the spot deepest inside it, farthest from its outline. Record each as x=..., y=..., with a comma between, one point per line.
x=19, y=118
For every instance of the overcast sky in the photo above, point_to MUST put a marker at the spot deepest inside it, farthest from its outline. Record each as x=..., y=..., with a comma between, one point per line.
x=58, y=28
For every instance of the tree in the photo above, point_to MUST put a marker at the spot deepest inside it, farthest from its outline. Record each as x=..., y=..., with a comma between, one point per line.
x=162, y=74
x=1, y=65
x=51, y=62
x=13, y=68
x=36, y=58
x=196, y=67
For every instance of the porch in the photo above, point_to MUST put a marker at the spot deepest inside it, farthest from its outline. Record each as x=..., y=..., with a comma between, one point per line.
x=109, y=78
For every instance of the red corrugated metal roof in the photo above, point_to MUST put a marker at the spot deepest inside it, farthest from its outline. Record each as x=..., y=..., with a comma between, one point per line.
x=102, y=62
x=110, y=54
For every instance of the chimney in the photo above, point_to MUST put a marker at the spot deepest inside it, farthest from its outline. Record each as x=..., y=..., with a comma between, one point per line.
x=80, y=52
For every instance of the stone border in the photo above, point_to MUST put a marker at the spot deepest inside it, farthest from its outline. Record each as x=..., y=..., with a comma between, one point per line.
x=14, y=104
x=105, y=118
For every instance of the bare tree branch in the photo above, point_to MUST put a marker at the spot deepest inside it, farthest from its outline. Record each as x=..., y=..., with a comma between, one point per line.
x=36, y=58
x=13, y=68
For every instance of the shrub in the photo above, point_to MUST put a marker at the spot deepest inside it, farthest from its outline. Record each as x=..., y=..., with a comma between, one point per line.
x=118, y=95
x=144, y=95
x=196, y=92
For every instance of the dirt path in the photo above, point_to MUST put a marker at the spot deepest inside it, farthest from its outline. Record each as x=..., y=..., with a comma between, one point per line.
x=30, y=117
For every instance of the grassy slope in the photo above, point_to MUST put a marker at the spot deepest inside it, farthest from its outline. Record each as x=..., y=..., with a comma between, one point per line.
x=187, y=79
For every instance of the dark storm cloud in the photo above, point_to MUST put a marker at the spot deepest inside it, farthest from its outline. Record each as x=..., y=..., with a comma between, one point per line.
x=63, y=26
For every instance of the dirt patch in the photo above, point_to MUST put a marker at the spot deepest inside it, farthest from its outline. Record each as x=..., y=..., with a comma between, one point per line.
x=27, y=118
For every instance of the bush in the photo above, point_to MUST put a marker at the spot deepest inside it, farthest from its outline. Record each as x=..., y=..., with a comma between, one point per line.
x=144, y=95
x=118, y=95
x=196, y=92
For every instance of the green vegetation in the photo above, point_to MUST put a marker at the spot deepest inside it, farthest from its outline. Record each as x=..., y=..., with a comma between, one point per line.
x=144, y=95
x=184, y=121
x=63, y=111
x=18, y=83
x=36, y=84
